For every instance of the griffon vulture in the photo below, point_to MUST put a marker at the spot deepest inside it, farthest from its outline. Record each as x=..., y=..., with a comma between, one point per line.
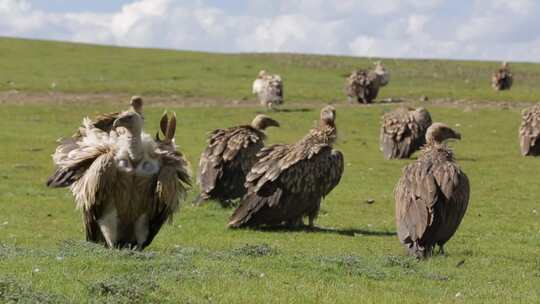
x=289, y=181
x=227, y=159
x=364, y=85
x=431, y=196
x=502, y=78
x=529, y=131
x=403, y=132
x=125, y=183
x=269, y=89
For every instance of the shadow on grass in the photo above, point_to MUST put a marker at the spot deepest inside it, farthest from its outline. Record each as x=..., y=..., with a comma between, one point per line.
x=347, y=232
x=300, y=110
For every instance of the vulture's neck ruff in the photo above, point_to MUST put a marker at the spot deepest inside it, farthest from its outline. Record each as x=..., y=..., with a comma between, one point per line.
x=129, y=129
x=436, y=137
x=326, y=133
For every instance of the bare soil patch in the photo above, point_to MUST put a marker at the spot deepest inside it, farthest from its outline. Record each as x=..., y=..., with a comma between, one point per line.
x=62, y=98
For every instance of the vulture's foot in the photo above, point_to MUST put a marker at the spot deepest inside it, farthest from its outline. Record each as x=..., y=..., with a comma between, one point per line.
x=441, y=250
x=199, y=200
x=295, y=224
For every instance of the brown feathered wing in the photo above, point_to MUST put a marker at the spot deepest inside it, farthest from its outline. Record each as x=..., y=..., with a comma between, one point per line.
x=431, y=200
x=529, y=131
x=401, y=135
x=226, y=161
x=287, y=183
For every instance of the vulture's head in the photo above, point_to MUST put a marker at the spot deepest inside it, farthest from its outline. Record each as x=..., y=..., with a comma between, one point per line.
x=438, y=133
x=262, y=122
x=136, y=103
x=421, y=115
x=262, y=73
x=131, y=121
x=328, y=115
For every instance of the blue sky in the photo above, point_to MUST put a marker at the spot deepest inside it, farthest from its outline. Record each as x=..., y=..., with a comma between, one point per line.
x=457, y=29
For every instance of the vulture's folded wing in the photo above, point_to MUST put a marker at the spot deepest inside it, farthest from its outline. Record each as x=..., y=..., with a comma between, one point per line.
x=172, y=183
x=416, y=194
x=223, y=148
x=92, y=189
x=282, y=168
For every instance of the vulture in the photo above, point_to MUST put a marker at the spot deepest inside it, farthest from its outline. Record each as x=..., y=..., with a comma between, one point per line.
x=529, y=131
x=269, y=89
x=403, y=132
x=288, y=182
x=105, y=122
x=126, y=183
x=363, y=85
x=431, y=196
x=502, y=78
x=227, y=159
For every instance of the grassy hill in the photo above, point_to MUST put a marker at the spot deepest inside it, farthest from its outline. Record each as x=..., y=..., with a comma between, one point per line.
x=354, y=257
x=35, y=65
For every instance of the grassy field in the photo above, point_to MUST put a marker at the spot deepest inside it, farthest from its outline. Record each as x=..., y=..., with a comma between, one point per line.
x=354, y=257
x=36, y=66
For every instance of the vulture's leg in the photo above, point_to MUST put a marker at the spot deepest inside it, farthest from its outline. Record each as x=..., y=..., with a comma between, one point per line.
x=311, y=222
x=350, y=99
x=296, y=223
x=108, y=224
x=141, y=230
x=201, y=198
x=441, y=250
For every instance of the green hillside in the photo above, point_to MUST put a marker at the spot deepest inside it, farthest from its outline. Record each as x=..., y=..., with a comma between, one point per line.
x=35, y=65
x=353, y=256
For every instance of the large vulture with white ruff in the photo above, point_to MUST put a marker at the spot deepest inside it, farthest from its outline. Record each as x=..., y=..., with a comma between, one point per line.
x=227, y=159
x=364, y=85
x=403, y=132
x=125, y=183
x=288, y=181
x=502, y=78
x=431, y=196
x=529, y=131
x=269, y=89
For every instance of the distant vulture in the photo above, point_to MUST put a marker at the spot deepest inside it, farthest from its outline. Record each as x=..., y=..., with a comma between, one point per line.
x=502, y=78
x=364, y=85
x=227, y=159
x=269, y=89
x=529, y=132
x=288, y=181
x=403, y=132
x=126, y=183
x=431, y=196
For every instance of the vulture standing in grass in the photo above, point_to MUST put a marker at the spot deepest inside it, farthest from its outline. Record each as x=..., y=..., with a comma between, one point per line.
x=431, y=196
x=364, y=85
x=125, y=183
x=227, y=159
x=288, y=181
x=269, y=89
x=403, y=132
x=502, y=78
x=529, y=131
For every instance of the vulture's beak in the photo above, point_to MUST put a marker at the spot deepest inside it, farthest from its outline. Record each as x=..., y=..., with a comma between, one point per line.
x=457, y=135
x=273, y=123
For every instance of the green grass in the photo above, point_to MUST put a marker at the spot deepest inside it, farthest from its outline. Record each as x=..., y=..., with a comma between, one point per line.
x=35, y=65
x=492, y=258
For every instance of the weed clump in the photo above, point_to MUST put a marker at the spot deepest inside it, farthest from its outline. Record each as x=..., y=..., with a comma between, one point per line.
x=254, y=250
x=11, y=291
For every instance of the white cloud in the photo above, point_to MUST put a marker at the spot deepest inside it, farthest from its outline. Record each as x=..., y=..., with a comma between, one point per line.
x=483, y=29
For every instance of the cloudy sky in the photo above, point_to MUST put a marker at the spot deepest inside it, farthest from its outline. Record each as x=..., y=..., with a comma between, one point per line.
x=459, y=29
